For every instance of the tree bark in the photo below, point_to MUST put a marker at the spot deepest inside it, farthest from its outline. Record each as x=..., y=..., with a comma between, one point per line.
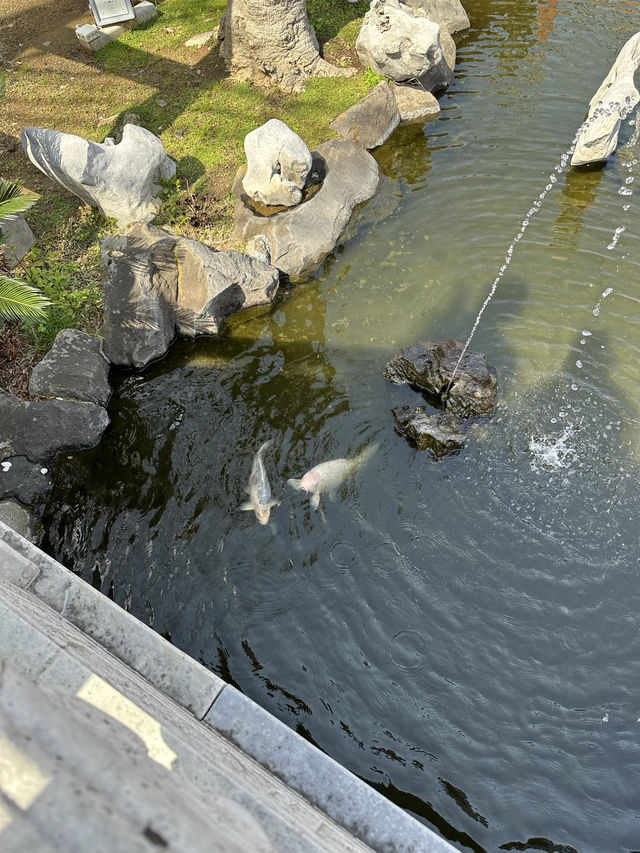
x=273, y=39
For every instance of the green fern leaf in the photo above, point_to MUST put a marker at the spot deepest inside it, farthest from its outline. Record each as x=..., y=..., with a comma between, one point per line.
x=21, y=301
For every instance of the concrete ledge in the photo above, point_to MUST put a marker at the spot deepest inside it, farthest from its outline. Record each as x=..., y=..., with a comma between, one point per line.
x=330, y=787
x=163, y=665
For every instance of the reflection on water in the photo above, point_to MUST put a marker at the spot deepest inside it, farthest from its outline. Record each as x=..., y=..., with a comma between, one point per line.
x=462, y=634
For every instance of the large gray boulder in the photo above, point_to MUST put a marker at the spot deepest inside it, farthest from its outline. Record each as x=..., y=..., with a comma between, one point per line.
x=39, y=429
x=278, y=162
x=449, y=14
x=17, y=237
x=121, y=180
x=615, y=99
x=403, y=46
x=139, y=286
x=75, y=367
x=372, y=120
x=215, y=285
x=157, y=285
x=302, y=237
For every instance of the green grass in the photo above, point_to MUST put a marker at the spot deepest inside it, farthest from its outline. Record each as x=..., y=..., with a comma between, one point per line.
x=202, y=120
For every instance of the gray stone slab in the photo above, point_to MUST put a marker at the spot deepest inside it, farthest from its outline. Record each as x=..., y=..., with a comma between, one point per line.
x=165, y=666
x=372, y=120
x=53, y=653
x=75, y=367
x=16, y=516
x=17, y=237
x=40, y=428
x=334, y=789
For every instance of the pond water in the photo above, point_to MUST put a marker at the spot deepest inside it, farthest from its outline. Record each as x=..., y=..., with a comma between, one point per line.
x=462, y=634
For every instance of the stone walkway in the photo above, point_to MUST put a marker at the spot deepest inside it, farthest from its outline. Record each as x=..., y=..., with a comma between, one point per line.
x=111, y=739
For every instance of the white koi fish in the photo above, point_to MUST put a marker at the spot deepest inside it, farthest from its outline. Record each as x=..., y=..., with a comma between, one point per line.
x=329, y=476
x=260, y=500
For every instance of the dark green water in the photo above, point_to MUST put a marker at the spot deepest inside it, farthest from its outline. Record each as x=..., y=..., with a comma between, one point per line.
x=462, y=634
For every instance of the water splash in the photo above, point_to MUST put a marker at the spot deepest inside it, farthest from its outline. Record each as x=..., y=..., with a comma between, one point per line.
x=553, y=452
x=559, y=168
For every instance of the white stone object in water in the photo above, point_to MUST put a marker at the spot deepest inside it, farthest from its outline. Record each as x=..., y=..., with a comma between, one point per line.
x=615, y=98
x=405, y=47
x=278, y=163
x=121, y=180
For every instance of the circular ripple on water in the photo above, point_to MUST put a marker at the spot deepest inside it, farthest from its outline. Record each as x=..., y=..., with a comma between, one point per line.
x=408, y=650
x=386, y=559
x=343, y=556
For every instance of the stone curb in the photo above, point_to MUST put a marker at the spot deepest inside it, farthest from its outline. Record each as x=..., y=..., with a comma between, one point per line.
x=323, y=782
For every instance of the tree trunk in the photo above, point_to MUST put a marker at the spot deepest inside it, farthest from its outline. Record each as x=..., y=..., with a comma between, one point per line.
x=273, y=39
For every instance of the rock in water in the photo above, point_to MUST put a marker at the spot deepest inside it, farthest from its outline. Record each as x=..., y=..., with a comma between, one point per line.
x=429, y=367
x=301, y=237
x=157, y=284
x=405, y=47
x=121, y=180
x=616, y=96
x=442, y=433
x=372, y=120
x=278, y=163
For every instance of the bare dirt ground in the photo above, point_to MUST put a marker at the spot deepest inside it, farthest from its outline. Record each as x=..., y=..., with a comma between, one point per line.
x=42, y=36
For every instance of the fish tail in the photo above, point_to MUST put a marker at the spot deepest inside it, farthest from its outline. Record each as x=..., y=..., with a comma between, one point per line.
x=367, y=453
x=265, y=446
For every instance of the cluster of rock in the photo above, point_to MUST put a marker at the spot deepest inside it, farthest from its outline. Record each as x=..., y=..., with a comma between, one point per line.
x=293, y=206
x=465, y=387
x=300, y=237
x=74, y=379
x=412, y=42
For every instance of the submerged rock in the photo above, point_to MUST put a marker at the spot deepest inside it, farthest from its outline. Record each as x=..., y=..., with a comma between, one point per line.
x=430, y=367
x=442, y=433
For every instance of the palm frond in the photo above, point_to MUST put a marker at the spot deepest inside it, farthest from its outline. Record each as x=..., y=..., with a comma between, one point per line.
x=12, y=199
x=21, y=301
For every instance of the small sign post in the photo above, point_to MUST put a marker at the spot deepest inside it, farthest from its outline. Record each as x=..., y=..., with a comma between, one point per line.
x=108, y=12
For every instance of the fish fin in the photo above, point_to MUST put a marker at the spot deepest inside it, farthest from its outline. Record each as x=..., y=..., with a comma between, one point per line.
x=274, y=503
x=367, y=453
x=246, y=507
x=315, y=500
x=295, y=484
x=333, y=495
